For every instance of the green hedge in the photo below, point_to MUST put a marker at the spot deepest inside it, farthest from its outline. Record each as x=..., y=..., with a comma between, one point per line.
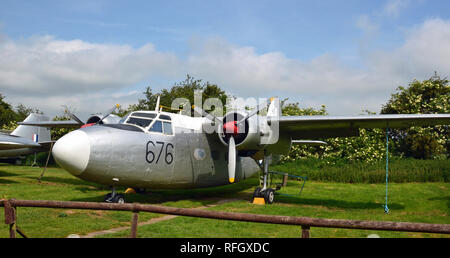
x=400, y=170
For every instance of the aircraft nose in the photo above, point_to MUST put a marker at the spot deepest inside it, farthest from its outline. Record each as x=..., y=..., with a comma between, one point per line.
x=72, y=152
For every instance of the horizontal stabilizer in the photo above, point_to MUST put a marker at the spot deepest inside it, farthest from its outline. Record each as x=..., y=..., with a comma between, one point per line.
x=10, y=145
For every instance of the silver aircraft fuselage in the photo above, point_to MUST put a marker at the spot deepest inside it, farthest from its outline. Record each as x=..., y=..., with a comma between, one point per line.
x=134, y=155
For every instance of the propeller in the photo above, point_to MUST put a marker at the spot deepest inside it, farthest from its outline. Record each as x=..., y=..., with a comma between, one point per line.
x=231, y=130
x=83, y=124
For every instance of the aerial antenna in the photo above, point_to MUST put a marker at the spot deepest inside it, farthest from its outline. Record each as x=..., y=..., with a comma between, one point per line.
x=157, y=104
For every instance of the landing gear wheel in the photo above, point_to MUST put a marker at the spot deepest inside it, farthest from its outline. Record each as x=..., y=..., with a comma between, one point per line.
x=269, y=195
x=119, y=198
x=108, y=198
x=257, y=193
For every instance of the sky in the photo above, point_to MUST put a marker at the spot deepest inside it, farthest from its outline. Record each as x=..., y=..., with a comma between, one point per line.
x=90, y=55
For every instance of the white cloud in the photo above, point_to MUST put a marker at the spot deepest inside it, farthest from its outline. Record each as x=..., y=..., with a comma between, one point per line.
x=47, y=73
x=75, y=71
x=393, y=7
x=43, y=64
x=426, y=49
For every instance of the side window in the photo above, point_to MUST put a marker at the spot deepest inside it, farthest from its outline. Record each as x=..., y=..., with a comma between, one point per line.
x=157, y=127
x=167, y=128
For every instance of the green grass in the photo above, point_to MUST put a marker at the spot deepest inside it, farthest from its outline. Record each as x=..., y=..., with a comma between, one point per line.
x=408, y=202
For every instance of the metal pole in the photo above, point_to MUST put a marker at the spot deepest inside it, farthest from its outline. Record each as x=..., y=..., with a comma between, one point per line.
x=386, y=209
x=46, y=163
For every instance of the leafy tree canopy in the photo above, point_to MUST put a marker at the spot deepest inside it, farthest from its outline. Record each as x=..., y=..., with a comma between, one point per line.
x=184, y=89
x=421, y=97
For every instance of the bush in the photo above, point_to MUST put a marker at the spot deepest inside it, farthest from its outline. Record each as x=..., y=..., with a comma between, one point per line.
x=343, y=171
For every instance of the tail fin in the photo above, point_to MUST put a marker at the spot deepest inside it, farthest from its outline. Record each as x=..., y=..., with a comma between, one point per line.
x=35, y=133
x=274, y=108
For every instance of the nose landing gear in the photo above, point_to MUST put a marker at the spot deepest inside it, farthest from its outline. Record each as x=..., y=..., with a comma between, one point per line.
x=114, y=197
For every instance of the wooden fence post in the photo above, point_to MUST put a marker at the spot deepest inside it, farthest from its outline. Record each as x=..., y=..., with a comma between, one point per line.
x=10, y=218
x=134, y=223
x=305, y=231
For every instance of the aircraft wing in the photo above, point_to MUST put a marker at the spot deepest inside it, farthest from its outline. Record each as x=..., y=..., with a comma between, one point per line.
x=57, y=124
x=315, y=127
x=10, y=142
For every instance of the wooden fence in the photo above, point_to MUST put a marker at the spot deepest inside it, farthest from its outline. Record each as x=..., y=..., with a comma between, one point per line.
x=306, y=223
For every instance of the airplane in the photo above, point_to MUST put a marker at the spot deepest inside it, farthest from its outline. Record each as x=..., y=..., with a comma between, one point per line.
x=28, y=139
x=25, y=140
x=162, y=150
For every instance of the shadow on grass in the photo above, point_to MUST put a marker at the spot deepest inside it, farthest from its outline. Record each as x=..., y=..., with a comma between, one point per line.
x=203, y=196
x=330, y=203
x=70, y=181
x=5, y=181
x=5, y=174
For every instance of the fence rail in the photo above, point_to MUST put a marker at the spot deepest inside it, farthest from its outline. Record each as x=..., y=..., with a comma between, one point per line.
x=305, y=222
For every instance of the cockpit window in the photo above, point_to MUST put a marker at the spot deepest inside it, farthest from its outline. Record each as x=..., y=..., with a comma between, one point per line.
x=139, y=121
x=167, y=126
x=164, y=117
x=157, y=127
x=162, y=124
x=146, y=115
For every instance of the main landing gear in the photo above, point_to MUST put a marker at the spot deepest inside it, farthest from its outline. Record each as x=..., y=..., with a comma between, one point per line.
x=268, y=194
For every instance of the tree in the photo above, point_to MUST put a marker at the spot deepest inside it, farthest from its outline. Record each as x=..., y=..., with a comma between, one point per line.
x=184, y=89
x=368, y=147
x=7, y=113
x=421, y=97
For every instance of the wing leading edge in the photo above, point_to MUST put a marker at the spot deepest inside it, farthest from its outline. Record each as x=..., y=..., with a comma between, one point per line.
x=55, y=124
x=314, y=127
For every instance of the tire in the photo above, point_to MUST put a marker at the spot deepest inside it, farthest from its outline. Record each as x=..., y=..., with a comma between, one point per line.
x=257, y=192
x=108, y=198
x=119, y=198
x=269, y=196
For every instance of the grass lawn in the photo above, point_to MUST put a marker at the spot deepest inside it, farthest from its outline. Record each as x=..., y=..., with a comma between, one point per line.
x=408, y=202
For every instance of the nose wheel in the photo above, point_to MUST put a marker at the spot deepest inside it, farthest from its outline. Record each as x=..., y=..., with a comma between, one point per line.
x=114, y=197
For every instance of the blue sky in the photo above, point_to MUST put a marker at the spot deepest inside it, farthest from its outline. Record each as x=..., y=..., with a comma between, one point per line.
x=349, y=55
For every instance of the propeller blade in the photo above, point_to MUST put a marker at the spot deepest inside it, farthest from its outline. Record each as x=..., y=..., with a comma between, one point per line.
x=202, y=112
x=74, y=117
x=231, y=159
x=255, y=111
x=109, y=113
